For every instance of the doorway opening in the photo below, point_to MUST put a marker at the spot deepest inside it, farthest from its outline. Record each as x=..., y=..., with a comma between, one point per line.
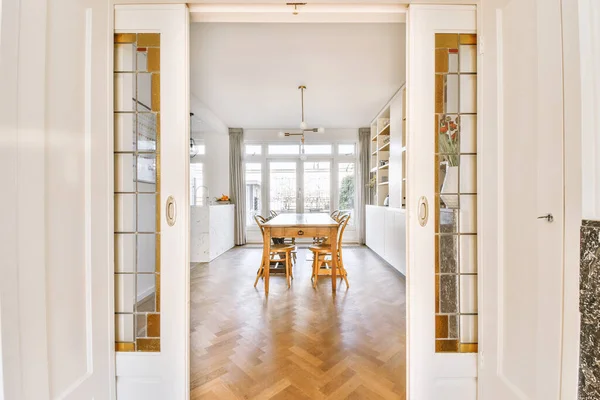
x=297, y=341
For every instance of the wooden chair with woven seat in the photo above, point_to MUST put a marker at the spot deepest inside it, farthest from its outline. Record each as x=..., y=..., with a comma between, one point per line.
x=321, y=252
x=281, y=250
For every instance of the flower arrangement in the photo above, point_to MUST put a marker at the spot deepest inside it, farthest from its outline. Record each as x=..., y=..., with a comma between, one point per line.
x=448, y=139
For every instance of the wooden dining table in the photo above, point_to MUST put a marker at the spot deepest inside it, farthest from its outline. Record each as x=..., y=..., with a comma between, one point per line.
x=298, y=226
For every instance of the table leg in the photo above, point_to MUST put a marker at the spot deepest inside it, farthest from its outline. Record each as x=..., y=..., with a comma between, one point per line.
x=334, y=258
x=267, y=255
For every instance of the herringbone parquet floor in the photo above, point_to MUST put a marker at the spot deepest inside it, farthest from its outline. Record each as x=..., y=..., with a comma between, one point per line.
x=300, y=343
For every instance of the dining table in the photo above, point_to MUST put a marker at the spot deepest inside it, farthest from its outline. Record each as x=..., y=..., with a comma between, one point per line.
x=311, y=225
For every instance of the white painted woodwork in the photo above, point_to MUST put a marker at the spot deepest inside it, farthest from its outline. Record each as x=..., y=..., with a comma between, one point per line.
x=158, y=376
x=589, y=35
x=386, y=234
x=56, y=307
x=574, y=18
x=430, y=375
x=521, y=159
x=395, y=185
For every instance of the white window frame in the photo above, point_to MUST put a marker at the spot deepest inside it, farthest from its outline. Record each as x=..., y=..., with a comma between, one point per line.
x=199, y=159
x=335, y=158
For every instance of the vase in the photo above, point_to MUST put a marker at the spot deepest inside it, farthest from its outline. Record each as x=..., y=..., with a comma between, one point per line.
x=450, y=186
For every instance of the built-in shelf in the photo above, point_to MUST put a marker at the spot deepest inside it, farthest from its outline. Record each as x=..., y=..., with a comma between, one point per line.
x=385, y=147
x=389, y=162
x=385, y=130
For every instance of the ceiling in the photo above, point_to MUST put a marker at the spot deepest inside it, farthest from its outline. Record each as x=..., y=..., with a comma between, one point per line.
x=247, y=74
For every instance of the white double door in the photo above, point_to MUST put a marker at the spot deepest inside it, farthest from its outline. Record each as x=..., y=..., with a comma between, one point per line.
x=300, y=186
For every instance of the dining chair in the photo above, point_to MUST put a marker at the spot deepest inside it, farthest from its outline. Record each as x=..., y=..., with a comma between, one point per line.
x=321, y=253
x=292, y=241
x=282, y=251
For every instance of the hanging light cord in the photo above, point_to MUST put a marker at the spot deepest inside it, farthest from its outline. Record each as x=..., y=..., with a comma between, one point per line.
x=302, y=87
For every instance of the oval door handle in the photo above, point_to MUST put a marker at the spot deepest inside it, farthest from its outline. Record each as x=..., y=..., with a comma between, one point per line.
x=423, y=210
x=300, y=233
x=171, y=211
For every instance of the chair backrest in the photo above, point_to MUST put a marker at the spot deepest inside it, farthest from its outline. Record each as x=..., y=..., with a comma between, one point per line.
x=260, y=220
x=335, y=214
x=343, y=223
x=273, y=214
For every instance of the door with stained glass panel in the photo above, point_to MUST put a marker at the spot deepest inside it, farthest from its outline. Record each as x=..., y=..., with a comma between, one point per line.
x=442, y=203
x=151, y=202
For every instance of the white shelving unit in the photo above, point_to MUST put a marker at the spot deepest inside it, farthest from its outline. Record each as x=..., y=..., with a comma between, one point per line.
x=386, y=226
x=388, y=153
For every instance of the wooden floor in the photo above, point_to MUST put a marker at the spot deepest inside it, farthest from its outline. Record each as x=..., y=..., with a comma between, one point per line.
x=300, y=343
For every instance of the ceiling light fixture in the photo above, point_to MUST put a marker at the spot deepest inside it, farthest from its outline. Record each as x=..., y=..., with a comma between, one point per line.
x=303, y=127
x=295, y=12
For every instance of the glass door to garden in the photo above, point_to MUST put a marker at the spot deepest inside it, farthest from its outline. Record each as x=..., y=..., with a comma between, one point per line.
x=297, y=186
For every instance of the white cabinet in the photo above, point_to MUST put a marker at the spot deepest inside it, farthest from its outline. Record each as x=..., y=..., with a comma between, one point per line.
x=386, y=234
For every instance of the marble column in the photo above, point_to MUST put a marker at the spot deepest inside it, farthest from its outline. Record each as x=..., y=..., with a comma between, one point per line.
x=589, y=307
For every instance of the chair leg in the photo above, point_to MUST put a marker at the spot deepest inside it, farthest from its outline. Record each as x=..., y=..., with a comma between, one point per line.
x=316, y=269
x=287, y=269
x=259, y=274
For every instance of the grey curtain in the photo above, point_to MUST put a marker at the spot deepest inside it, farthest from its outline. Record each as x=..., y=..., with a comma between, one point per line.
x=237, y=183
x=364, y=138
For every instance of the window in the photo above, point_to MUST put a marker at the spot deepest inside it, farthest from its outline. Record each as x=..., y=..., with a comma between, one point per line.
x=284, y=149
x=201, y=148
x=282, y=186
x=347, y=188
x=317, y=186
x=253, y=149
x=346, y=149
x=198, y=191
x=317, y=149
x=253, y=191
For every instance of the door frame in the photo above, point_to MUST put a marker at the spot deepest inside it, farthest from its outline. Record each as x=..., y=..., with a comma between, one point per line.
x=573, y=176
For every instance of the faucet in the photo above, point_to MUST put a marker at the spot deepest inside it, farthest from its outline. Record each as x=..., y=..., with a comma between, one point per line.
x=207, y=194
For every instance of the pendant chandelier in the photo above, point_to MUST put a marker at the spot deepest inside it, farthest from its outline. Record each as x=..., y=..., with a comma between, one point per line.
x=303, y=126
x=193, y=147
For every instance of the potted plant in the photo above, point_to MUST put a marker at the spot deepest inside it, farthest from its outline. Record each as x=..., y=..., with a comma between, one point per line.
x=449, y=154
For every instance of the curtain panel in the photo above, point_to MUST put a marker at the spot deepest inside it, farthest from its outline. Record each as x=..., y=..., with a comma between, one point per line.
x=364, y=137
x=237, y=184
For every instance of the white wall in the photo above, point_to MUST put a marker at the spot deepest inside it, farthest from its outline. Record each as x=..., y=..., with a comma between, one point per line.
x=248, y=73
x=216, y=162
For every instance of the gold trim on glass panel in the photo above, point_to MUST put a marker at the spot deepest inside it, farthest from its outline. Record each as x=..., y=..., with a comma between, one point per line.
x=441, y=61
x=119, y=346
x=157, y=292
x=468, y=348
x=153, y=59
x=155, y=89
x=468, y=38
x=447, y=40
x=148, y=39
x=439, y=94
x=125, y=38
x=447, y=70
x=148, y=43
x=446, y=346
x=150, y=345
x=153, y=325
x=441, y=326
